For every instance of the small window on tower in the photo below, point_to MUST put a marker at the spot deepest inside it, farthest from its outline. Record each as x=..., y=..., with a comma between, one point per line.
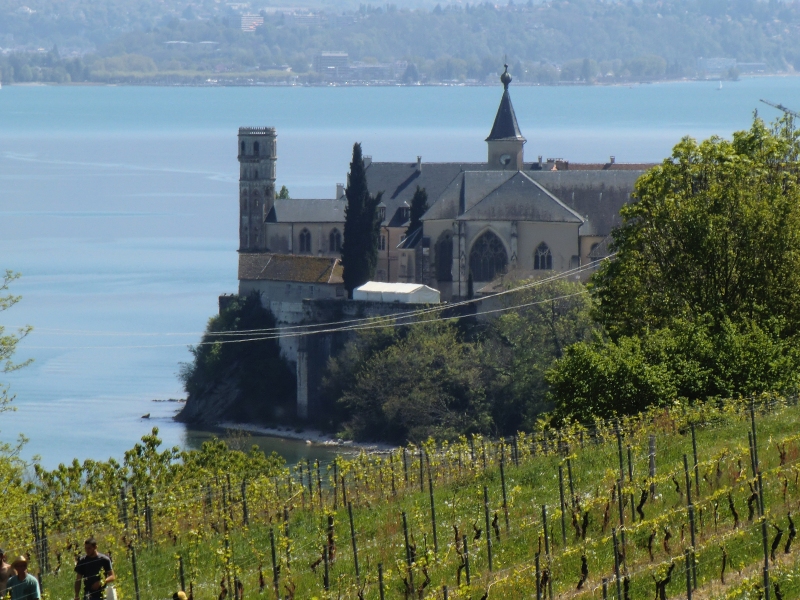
x=242, y=147
x=256, y=148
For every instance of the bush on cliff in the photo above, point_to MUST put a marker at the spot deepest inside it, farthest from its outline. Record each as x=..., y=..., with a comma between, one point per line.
x=238, y=373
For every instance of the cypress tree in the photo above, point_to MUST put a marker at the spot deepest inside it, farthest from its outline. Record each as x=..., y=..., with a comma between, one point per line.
x=361, y=227
x=419, y=206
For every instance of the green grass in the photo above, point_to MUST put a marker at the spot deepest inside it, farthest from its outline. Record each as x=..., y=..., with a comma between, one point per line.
x=185, y=524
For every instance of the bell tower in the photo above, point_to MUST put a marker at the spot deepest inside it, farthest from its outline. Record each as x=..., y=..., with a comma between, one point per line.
x=257, y=156
x=505, y=141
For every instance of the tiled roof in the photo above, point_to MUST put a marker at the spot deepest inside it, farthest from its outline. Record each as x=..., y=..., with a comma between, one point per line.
x=289, y=267
x=307, y=210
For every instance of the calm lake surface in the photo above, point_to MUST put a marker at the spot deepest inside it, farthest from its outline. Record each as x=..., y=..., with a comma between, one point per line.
x=119, y=207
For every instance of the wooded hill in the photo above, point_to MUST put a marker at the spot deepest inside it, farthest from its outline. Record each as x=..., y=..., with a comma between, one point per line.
x=580, y=40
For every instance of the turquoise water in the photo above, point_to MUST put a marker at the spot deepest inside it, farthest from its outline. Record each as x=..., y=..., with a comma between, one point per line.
x=119, y=206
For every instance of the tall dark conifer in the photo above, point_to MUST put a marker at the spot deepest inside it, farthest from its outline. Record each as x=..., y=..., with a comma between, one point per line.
x=419, y=206
x=361, y=227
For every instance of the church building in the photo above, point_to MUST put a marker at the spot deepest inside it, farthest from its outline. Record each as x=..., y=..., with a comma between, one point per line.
x=502, y=218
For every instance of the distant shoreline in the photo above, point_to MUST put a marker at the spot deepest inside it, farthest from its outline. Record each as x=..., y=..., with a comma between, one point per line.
x=285, y=84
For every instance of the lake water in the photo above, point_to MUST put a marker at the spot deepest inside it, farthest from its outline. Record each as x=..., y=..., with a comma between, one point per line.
x=119, y=207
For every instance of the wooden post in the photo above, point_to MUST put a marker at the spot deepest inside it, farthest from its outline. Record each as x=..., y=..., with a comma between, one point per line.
x=245, y=514
x=380, y=580
x=546, y=535
x=605, y=588
x=326, y=576
x=405, y=465
x=488, y=531
x=319, y=484
x=466, y=557
x=353, y=539
x=180, y=572
x=616, y=563
x=286, y=535
x=421, y=476
x=336, y=483
x=275, y=575
x=619, y=452
x=696, y=465
x=444, y=591
x=483, y=453
x=630, y=480
x=538, y=578
x=503, y=485
x=472, y=448
x=621, y=520
x=688, y=481
x=408, y=551
x=344, y=492
x=652, y=457
x=433, y=511
x=135, y=572
x=563, y=508
x=124, y=501
x=571, y=484
x=691, y=531
x=755, y=441
x=687, y=557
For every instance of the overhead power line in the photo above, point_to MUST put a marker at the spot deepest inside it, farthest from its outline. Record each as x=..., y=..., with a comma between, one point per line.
x=393, y=321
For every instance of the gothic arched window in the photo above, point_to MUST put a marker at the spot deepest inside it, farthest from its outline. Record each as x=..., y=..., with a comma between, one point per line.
x=488, y=257
x=444, y=257
x=256, y=149
x=305, y=241
x=243, y=147
x=543, y=258
x=335, y=241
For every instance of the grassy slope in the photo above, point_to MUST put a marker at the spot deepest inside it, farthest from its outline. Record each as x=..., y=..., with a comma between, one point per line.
x=722, y=452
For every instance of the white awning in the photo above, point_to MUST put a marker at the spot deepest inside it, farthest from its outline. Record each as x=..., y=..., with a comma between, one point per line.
x=406, y=293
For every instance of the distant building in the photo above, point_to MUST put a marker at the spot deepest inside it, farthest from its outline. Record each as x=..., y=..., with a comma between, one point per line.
x=715, y=65
x=493, y=222
x=331, y=63
x=251, y=22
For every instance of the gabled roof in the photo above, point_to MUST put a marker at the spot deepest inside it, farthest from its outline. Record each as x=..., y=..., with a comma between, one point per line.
x=464, y=192
x=264, y=266
x=520, y=198
x=307, y=210
x=399, y=181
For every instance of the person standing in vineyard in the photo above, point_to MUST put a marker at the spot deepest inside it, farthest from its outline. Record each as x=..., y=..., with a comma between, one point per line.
x=5, y=572
x=23, y=585
x=88, y=570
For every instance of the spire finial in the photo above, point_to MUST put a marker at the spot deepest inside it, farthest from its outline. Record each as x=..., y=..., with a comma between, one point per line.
x=505, y=78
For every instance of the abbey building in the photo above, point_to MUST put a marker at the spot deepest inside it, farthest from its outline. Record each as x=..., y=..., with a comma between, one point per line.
x=507, y=217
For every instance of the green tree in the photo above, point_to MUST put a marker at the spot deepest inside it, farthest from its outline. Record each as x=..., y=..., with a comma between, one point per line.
x=9, y=340
x=427, y=384
x=239, y=376
x=419, y=206
x=283, y=194
x=690, y=360
x=714, y=230
x=361, y=227
x=523, y=344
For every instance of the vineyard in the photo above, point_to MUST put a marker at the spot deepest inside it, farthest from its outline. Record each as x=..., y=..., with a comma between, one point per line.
x=693, y=502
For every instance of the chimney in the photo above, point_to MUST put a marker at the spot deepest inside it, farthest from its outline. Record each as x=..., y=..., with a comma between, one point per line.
x=419, y=164
x=367, y=161
x=540, y=161
x=339, y=190
x=612, y=159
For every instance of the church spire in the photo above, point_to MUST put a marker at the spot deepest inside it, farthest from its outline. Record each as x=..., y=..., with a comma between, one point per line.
x=505, y=140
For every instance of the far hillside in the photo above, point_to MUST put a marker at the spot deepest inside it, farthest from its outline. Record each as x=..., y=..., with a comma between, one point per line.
x=551, y=42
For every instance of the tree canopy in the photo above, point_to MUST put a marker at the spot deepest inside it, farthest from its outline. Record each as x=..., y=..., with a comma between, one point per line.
x=702, y=297
x=9, y=340
x=361, y=227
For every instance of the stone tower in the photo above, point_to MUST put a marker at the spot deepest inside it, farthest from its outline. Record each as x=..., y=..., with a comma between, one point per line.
x=505, y=141
x=257, y=156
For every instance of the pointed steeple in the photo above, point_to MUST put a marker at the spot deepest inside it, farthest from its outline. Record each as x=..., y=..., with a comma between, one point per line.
x=505, y=140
